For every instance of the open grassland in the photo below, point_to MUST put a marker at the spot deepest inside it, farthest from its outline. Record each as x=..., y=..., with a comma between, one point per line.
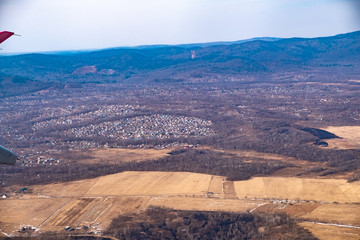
x=324, y=190
x=33, y=212
x=216, y=185
x=350, y=137
x=66, y=190
x=342, y=213
x=119, y=155
x=330, y=232
x=206, y=204
x=329, y=213
x=96, y=202
x=150, y=183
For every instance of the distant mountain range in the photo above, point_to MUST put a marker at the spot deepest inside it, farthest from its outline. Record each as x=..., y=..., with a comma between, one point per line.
x=338, y=54
x=189, y=45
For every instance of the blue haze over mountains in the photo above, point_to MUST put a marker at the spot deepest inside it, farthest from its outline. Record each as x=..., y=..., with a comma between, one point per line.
x=262, y=58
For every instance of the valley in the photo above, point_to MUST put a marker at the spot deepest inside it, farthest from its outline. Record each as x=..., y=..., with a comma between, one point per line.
x=258, y=139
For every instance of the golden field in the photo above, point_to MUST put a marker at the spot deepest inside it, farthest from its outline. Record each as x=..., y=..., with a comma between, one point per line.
x=350, y=137
x=96, y=201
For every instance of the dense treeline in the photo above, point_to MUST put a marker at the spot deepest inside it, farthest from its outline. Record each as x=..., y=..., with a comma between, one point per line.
x=159, y=223
x=44, y=174
x=56, y=236
x=210, y=162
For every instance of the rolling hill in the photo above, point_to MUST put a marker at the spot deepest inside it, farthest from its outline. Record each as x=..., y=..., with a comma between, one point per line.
x=340, y=53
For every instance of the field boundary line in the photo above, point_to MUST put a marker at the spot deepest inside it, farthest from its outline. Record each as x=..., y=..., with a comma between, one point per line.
x=84, y=195
x=91, y=211
x=110, y=205
x=4, y=233
x=334, y=224
x=48, y=218
x=262, y=204
x=222, y=187
x=212, y=177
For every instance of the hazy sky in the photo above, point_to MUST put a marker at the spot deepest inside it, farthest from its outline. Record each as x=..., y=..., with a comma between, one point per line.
x=47, y=25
